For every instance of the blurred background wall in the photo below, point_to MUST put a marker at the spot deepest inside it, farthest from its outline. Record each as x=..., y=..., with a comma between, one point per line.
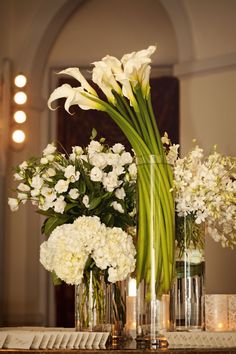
x=195, y=41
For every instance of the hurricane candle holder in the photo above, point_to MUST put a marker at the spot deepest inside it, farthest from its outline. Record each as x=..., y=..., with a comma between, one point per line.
x=216, y=312
x=232, y=312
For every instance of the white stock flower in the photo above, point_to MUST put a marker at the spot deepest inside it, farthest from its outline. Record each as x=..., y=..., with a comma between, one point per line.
x=94, y=146
x=50, y=172
x=61, y=186
x=49, y=194
x=118, y=148
x=18, y=177
x=36, y=182
x=110, y=181
x=120, y=193
x=96, y=174
x=74, y=193
x=71, y=174
x=23, y=166
x=23, y=187
x=125, y=158
x=85, y=201
x=13, y=204
x=22, y=197
x=98, y=160
x=50, y=149
x=118, y=207
x=44, y=161
x=132, y=169
x=59, y=205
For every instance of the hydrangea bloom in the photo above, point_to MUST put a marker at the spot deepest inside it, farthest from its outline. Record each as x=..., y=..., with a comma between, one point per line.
x=70, y=245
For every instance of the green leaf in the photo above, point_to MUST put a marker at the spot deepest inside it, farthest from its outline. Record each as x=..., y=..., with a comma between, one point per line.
x=55, y=279
x=94, y=203
x=93, y=134
x=108, y=220
x=82, y=186
x=51, y=223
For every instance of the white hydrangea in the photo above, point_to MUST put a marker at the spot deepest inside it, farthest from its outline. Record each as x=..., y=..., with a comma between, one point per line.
x=69, y=246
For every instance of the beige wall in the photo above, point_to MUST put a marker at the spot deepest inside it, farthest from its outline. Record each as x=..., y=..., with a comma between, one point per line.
x=196, y=37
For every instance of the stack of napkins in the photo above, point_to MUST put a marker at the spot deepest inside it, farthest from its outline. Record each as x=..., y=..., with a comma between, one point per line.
x=51, y=338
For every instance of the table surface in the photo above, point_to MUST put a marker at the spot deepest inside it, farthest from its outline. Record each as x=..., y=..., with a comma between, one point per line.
x=121, y=351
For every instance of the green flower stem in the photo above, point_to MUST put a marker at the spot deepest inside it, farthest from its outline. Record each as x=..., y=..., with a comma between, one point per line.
x=146, y=144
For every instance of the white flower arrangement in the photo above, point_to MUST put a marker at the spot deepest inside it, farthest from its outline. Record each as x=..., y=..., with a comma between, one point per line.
x=71, y=249
x=205, y=192
x=96, y=180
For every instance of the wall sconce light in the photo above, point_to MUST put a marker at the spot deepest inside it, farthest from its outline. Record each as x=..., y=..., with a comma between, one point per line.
x=18, y=136
x=20, y=80
x=20, y=97
x=19, y=115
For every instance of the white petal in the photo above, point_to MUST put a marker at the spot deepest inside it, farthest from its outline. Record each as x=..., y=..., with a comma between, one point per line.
x=75, y=72
x=60, y=92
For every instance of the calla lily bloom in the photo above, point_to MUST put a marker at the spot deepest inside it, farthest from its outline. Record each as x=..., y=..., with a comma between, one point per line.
x=75, y=72
x=75, y=96
x=103, y=76
x=137, y=70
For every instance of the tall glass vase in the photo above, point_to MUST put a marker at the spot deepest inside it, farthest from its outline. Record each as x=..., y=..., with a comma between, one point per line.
x=100, y=305
x=187, y=296
x=155, y=248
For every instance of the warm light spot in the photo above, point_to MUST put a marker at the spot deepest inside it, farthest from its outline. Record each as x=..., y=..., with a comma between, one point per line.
x=20, y=97
x=20, y=117
x=20, y=80
x=132, y=287
x=220, y=325
x=18, y=136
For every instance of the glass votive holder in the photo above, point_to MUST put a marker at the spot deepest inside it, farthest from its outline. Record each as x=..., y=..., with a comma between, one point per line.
x=216, y=312
x=232, y=312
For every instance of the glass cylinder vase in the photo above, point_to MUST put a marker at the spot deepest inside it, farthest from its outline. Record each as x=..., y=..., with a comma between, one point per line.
x=99, y=305
x=155, y=248
x=187, y=295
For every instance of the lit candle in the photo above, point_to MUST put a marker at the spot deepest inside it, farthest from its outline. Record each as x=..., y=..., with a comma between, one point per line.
x=131, y=305
x=216, y=310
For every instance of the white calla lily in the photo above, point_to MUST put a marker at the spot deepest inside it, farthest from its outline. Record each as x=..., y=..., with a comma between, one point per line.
x=75, y=72
x=103, y=76
x=75, y=96
x=137, y=70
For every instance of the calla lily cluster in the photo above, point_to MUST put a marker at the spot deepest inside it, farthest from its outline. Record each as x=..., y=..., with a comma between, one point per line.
x=126, y=86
